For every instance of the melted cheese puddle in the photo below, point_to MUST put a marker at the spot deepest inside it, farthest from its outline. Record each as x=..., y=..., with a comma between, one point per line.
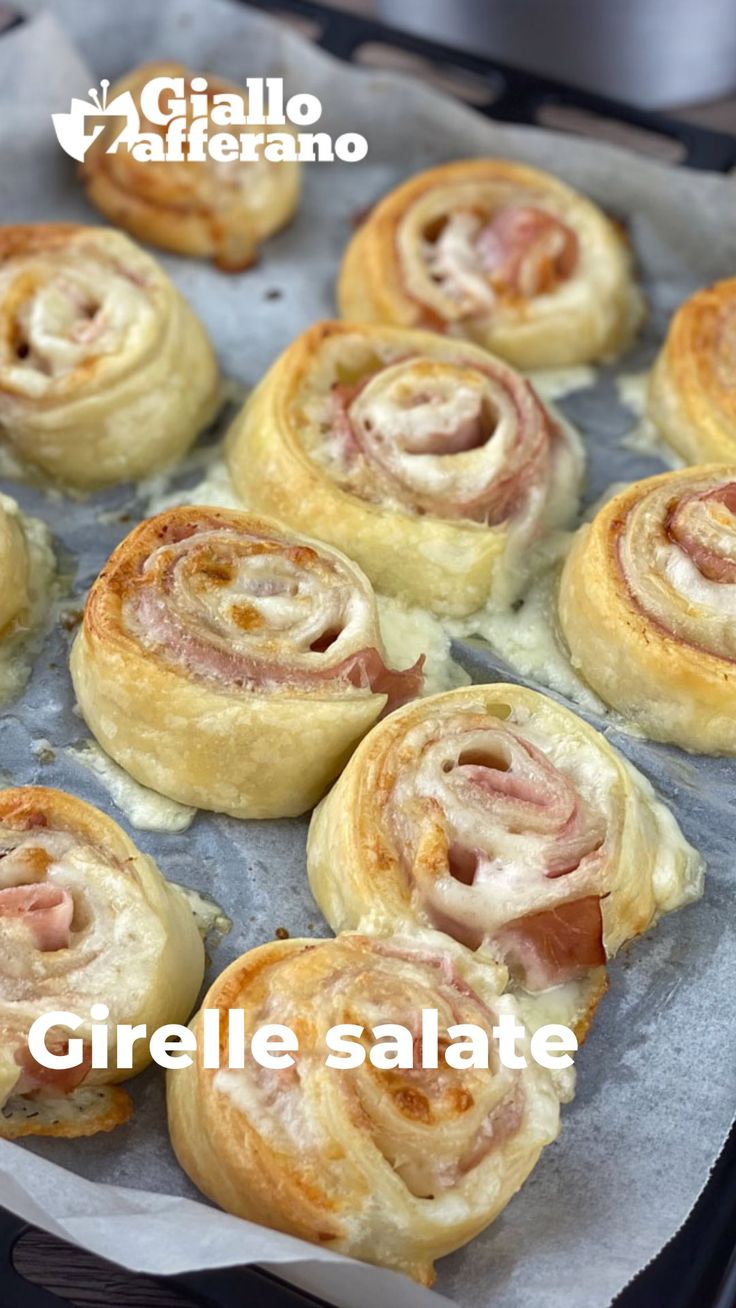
x=145, y=809
x=207, y=913
x=409, y=632
x=526, y=636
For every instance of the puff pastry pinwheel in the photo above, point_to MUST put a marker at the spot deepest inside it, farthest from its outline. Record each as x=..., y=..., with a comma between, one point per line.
x=396, y=1167
x=106, y=373
x=647, y=606
x=691, y=397
x=231, y=665
x=85, y=919
x=15, y=567
x=431, y=463
x=27, y=587
x=500, y=254
x=215, y=209
x=501, y=818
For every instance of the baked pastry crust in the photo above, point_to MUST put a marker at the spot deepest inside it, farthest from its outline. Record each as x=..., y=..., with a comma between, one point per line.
x=392, y=1167
x=691, y=398
x=646, y=606
x=230, y=664
x=428, y=461
x=218, y=211
x=15, y=595
x=106, y=373
x=501, y=254
x=85, y=918
x=501, y=818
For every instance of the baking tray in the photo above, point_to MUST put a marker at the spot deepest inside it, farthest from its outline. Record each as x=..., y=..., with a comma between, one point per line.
x=698, y=1267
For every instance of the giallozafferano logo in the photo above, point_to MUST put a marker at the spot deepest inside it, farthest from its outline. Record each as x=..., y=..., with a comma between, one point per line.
x=193, y=124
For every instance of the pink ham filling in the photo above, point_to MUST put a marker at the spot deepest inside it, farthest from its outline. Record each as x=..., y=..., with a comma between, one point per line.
x=470, y=434
x=526, y=251
x=536, y=797
x=46, y=909
x=712, y=565
x=530, y=796
x=506, y=493
x=342, y=396
x=365, y=670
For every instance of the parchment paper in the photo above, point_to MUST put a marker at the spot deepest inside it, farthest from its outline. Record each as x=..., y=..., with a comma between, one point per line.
x=656, y=1076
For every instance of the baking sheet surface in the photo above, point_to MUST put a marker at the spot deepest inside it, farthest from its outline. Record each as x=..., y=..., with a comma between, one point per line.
x=656, y=1076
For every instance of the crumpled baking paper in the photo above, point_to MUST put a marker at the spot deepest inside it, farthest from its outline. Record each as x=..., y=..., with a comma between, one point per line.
x=656, y=1076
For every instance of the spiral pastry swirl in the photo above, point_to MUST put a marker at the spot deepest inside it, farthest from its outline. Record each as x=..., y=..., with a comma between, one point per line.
x=647, y=604
x=691, y=397
x=215, y=644
x=432, y=464
x=105, y=371
x=203, y=207
x=396, y=1167
x=85, y=918
x=15, y=569
x=500, y=254
x=500, y=818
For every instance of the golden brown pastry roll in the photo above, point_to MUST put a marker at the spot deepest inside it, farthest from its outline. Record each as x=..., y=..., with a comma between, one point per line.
x=27, y=586
x=212, y=209
x=231, y=665
x=647, y=606
x=429, y=462
x=85, y=919
x=106, y=373
x=396, y=1167
x=500, y=254
x=15, y=567
x=691, y=397
x=501, y=818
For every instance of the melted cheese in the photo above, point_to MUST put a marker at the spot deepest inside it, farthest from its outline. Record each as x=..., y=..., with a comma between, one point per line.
x=43, y=750
x=677, y=880
x=210, y=917
x=526, y=637
x=409, y=632
x=553, y=383
x=214, y=488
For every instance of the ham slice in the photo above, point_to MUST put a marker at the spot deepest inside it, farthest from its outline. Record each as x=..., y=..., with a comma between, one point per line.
x=493, y=500
x=470, y=434
x=47, y=909
x=499, y=1127
x=502, y=848
x=702, y=536
x=530, y=795
x=546, y=949
x=342, y=396
x=365, y=669
x=204, y=653
x=58, y=1080
x=368, y=669
x=526, y=251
